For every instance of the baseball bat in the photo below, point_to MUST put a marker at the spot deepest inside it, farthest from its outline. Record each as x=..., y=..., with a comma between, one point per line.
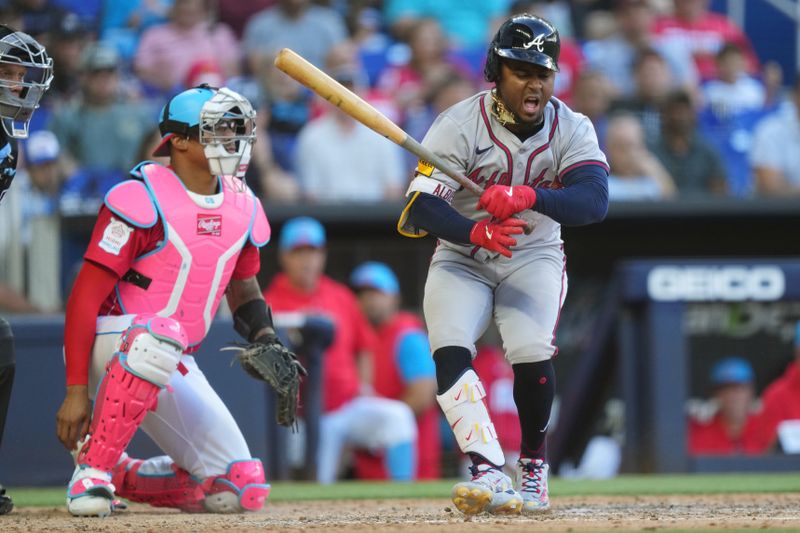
x=307, y=74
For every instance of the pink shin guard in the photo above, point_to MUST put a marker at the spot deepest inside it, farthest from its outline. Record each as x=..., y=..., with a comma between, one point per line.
x=121, y=404
x=245, y=479
x=176, y=489
x=149, y=352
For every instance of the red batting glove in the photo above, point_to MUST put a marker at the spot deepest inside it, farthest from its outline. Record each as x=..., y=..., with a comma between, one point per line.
x=502, y=201
x=495, y=236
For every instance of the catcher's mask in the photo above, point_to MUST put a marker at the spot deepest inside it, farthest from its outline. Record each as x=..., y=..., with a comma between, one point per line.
x=222, y=120
x=523, y=37
x=25, y=74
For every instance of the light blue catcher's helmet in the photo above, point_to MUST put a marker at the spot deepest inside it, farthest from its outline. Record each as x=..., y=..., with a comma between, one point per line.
x=221, y=119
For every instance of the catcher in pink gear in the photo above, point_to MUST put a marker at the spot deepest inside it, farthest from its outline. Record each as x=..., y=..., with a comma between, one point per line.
x=166, y=247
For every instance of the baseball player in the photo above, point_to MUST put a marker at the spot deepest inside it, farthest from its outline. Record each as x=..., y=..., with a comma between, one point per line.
x=25, y=74
x=531, y=153
x=165, y=248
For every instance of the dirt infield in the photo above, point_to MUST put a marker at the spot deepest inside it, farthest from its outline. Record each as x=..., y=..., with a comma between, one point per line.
x=569, y=514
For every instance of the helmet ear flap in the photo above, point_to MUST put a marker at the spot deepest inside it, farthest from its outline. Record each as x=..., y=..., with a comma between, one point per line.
x=491, y=71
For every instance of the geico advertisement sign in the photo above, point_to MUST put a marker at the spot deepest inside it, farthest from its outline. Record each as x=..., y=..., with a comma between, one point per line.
x=727, y=283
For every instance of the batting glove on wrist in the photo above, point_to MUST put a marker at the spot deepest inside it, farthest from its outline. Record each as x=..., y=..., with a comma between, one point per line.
x=495, y=236
x=502, y=201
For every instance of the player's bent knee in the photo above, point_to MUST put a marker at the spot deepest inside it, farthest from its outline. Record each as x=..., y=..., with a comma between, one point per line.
x=242, y=488
x=151, y=348
x=400, y=423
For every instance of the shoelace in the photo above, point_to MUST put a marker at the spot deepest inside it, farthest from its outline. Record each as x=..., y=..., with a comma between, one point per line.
x=477, y=473
x=532, y=482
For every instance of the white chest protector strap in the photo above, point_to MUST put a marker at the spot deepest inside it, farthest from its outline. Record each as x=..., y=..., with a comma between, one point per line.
x=466, y=412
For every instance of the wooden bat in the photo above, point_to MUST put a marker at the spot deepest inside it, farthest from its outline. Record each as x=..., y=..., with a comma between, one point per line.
x=307, y=74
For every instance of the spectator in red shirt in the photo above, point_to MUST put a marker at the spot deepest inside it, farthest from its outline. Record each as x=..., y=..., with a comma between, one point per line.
x=733, y=427
x=704, y=33
x=404, y=368
x=352, y=414
x=781, y=404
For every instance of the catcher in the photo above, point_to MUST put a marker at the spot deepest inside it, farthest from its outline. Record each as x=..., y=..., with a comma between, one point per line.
x=165, y=248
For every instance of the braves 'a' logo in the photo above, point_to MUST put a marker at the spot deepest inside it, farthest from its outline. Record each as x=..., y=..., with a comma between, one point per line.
x=537, y=41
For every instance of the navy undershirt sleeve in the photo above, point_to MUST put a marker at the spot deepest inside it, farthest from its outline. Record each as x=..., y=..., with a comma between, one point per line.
x=435, y=216
x=583, y=200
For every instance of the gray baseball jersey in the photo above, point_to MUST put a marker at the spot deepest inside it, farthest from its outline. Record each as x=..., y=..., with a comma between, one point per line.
x=471, y=139
x=467, y=285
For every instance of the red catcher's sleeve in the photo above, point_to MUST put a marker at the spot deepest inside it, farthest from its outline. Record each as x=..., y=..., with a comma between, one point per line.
x=93, y=284
x=248, y=264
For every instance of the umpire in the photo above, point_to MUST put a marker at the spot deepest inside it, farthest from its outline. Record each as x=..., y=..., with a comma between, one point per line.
x=25, y=74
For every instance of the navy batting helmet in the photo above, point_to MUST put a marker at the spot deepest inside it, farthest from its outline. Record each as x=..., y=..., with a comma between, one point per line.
x=523, y=37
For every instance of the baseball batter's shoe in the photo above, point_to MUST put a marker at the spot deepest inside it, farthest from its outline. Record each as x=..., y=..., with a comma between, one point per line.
x=90, y=493
x=488, y=490
x=531, y=481
x=5, y=501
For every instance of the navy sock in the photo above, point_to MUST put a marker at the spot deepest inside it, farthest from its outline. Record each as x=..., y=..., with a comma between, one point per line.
x=451, y=362
x=534, y=390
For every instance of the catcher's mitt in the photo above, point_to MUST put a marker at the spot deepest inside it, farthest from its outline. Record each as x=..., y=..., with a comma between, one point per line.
x=267, y=359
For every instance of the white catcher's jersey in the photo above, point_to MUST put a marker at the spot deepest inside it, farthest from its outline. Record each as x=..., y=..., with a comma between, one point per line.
x=472, y=140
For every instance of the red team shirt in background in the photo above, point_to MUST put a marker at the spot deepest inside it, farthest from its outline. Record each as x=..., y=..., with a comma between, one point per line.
x=712, y=438
x=781, y=401
x=140, y=241
x=704, y=38
x=389, y=383
x=352, y=332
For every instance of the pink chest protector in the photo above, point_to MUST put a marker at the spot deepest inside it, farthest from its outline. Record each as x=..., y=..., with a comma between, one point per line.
x=186, y=275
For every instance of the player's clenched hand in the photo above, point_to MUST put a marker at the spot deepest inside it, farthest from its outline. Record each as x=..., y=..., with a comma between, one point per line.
x=502, y=201
x=495, y=236
x=74, y=415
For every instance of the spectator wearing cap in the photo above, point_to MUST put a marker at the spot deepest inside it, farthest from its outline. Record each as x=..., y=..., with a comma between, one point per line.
x=353, y=417
x=69, y=39
x=338, y=159
x=779, y=423
x=100, y=132
x=30, y=231
x=733, y=428
x=167, y=52
x=404, y=368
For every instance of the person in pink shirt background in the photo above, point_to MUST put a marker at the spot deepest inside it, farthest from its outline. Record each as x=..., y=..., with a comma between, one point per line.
x=168, y=51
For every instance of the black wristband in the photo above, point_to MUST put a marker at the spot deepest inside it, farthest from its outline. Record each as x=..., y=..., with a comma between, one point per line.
x=251, y=317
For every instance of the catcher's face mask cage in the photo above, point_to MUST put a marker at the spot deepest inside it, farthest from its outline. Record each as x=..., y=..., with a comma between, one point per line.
x=25, y=74
x=227, y=132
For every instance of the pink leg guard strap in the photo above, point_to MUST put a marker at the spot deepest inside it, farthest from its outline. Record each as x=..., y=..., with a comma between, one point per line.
x=175, y=489
x=246, y=479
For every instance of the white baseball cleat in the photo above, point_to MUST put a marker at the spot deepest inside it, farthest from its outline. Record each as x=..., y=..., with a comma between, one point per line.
x=531, y=481
x=90, y=493
x=489, y=490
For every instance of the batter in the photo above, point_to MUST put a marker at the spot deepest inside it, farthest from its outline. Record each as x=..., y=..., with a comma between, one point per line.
x=529, y=151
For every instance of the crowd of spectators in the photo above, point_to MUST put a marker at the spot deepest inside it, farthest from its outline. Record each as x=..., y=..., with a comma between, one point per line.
x=679, y=85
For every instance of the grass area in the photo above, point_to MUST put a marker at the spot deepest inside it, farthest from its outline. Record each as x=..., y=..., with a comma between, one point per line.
x=622, y=485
